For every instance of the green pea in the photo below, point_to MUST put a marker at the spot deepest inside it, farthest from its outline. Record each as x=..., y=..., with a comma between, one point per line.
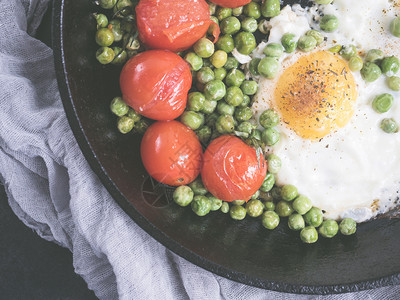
x=123, y=7
x=271, y=8
x=104, y=37
x=209, y=106
x=205, y=74
x=195, y=101
x=237, y=212
x=348, y=52
x=255, y=195
x=238, y=202
x=329, y=23
x=225, y=124
x=101, y=20
x=302, y=204
x=219, y=58
x=234, y=77
x=141, y=126
x=119, y=107
x=201, y=205
x=204, y=134
x=254, y=208
x=253, y=66
x=183, y=195
x=356, y=63
x=268, y=183
x=214, y=90
x=249, y=24
x=370, y=72
x=215, y=202
x=131, y=43
x=237, y=11
x=107, y=4
x=307, y=43
x=284, y=208
x=374, y=56
x=395, y=27
x=270, y=220
x=328, y=228
x=231, y=63
x=273, y=50
x=120, y=56
x=249, y=87
x=317, y=35
x=220, y=73
x=269, y=206
x=276, y=193
x=225, y=43
x=268, y=118
x=270, y=136
x=134, y=115
x=309, y=235
x=245, y=127
x=253, y=10
x=393, y=83
x=204, y=48
x=125, y=124
x=230, y=25
x=243, y=114
x=223, y=12
x=212, y=7
x=274, y=163
x=195, y=61
x=198, y=187
x=267, y=196
x=225, y=207
x=105, y=55
x=323, y=1
x=296, y=222
x=314, y=217
x=390, y=65
x=211, y=119
x=289, y=192
x=246, y=101
x=347, y=226
x=335, y=49
x=234, y=96
x=263, y=27
x=224, y=108
x=389, y=125
x=268, y=67
x=245, y=42
x=192, y=119
x=289, y=42
x=382, y=103
x=116, y=30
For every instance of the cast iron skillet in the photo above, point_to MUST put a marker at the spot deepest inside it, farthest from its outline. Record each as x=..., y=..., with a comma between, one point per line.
x=242, y=251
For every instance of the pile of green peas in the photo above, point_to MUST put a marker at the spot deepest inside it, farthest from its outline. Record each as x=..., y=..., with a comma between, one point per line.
x=219, y=103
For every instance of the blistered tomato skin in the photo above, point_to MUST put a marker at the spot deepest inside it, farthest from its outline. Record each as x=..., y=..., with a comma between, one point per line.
x=171, y=153
x=231, y=170
x=155, y=83
x=171, y=24
x=231, y=3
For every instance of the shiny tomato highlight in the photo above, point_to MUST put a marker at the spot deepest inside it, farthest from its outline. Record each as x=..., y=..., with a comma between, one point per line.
x=231, y=170
x=155, y=83
x=230, y=3
x=171, y=153
x=172, y=24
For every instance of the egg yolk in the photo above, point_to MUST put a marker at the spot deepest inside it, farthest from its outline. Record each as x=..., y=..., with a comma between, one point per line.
x=316, y=95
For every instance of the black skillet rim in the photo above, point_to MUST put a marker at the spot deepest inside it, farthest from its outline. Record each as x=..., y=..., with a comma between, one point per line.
x=89, y=154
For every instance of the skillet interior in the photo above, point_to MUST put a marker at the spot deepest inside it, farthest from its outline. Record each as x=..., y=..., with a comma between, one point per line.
x=242, y=251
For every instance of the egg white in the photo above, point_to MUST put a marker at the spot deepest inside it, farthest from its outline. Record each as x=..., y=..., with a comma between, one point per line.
x=354, y=171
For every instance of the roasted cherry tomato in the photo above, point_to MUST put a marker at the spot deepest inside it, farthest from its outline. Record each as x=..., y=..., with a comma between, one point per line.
x=231, y=170
x=171, y=153
x=171, y=24
x=155, y=83
x=231, y=3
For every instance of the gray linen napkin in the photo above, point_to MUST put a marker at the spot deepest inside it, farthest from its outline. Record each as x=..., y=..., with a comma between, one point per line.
x=52, y=189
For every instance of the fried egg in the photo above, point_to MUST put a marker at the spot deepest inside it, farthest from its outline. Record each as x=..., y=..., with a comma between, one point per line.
x=332, y=147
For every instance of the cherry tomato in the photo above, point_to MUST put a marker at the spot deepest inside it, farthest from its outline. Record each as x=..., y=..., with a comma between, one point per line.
x=171, y=24
x=155, y=83
x=231, y=3
x=171, y=153
x=231, y=170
